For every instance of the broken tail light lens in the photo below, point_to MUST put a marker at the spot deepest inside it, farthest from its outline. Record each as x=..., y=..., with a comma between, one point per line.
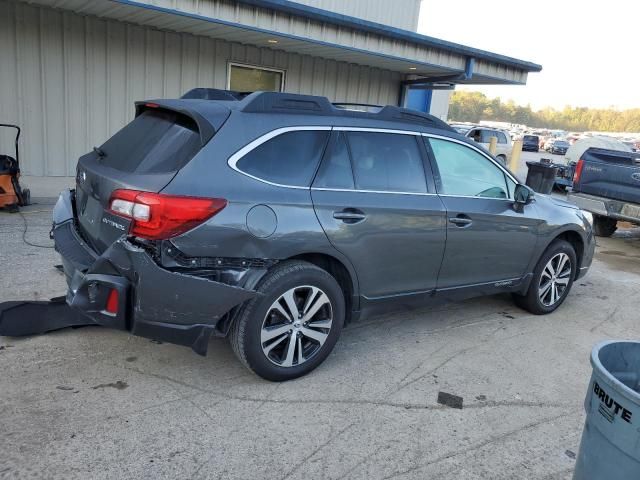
x=156, y=216
x=112, y=302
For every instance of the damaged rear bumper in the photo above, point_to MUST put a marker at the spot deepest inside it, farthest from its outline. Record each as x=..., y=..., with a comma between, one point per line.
x=152, y=301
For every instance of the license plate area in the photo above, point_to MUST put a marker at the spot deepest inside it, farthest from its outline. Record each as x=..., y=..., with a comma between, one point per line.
x=113, y=227
x=89, y=215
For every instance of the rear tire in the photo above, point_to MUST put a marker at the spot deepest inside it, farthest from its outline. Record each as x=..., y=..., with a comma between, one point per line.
x=274, y=343
x=502, y=159
x=552, y=279
x=604, y=226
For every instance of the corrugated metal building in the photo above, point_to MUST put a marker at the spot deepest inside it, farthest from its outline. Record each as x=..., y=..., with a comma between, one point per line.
x=71, y=69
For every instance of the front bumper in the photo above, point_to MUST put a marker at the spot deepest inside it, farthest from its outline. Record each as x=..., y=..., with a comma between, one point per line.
x=153, y=302
x=587, y=255
x=607, y=207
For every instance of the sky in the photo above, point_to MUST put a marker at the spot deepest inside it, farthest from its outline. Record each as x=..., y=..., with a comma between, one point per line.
x=588, y=50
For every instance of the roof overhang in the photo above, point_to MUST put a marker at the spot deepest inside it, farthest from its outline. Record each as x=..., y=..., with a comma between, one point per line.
x=291, y=27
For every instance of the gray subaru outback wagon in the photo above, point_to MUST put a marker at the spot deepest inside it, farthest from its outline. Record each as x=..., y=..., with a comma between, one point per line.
x=275, y=219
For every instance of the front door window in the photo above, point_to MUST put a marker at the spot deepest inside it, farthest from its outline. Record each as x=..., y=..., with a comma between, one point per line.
x=465, y=172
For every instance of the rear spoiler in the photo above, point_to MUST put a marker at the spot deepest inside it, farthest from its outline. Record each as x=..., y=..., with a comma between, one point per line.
x=216, y=114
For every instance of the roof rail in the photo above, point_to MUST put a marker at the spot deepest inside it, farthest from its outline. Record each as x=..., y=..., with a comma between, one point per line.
x=264, y=102
x=412, y=116
x=214, y=94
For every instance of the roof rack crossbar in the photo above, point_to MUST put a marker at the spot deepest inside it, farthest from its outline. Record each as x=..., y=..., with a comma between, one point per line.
x=278, y=102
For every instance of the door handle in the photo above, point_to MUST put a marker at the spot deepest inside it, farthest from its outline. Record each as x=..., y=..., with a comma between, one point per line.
x=350, y=215
x=461, y=221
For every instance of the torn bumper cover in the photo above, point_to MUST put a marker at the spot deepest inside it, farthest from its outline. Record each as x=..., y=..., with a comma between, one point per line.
x=151, y=301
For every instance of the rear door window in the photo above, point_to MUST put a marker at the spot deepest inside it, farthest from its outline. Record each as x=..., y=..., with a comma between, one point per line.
x=386, y=162
x=289, y=159
x=156, y=141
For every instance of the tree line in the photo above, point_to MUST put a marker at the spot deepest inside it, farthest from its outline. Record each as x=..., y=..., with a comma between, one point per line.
x=476, y=106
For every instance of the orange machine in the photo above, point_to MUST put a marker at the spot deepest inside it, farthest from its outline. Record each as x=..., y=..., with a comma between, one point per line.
x=11, y=195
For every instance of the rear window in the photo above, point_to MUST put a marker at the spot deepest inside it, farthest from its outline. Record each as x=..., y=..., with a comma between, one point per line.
x=530, y=138
x=288, y=159
x=156, y=141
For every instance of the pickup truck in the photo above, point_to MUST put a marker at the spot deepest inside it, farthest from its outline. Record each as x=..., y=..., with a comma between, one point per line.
x=607, y=184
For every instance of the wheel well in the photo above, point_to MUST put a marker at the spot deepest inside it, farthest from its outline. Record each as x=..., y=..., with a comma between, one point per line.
x=576, y=242
x=337, y=269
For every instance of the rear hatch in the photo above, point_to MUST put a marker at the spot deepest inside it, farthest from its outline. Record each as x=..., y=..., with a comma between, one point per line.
x=611, y=174
x=145, y=155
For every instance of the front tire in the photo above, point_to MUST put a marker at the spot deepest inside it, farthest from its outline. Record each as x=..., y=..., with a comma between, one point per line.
x=552, y=279
x=604, y=226
x=292, y=325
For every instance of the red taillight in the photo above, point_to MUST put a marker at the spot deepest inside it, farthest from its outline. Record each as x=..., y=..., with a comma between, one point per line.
x=112, y=302
x=578, y=172
x=156, y=216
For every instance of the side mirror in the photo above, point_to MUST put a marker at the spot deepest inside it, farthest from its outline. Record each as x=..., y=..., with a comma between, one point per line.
x=523, y=195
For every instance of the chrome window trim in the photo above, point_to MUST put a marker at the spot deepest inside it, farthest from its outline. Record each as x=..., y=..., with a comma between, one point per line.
x=476, y=197
x=377, y=130
x=351, y=190
x=236, y=157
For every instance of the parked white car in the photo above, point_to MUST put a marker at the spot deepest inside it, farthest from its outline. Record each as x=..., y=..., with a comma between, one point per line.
x=482, y=135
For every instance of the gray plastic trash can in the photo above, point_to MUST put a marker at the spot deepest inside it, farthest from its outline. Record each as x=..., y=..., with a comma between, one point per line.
x=610, y=446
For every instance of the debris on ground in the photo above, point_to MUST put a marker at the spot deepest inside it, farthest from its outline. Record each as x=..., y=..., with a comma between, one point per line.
x=119, y=385
x=449, y=400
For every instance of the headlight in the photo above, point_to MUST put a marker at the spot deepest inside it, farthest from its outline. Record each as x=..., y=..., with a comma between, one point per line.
x=588, y=216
